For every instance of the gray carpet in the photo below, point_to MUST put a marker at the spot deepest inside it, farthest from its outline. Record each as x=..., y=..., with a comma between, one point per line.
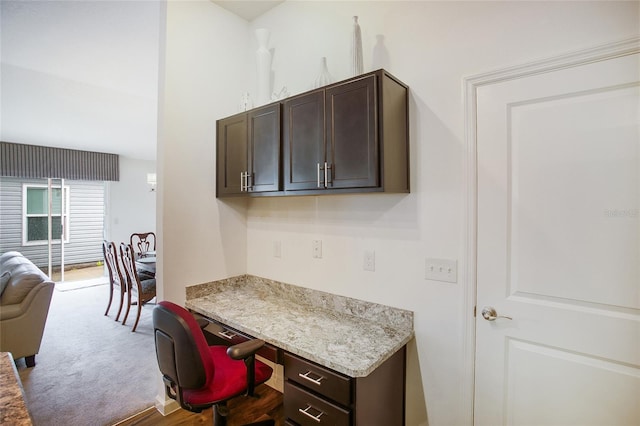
x=91, y=370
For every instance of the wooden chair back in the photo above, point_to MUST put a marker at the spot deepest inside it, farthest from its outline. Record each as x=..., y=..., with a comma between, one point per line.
x=142, y=243
x=117, y=282
x=139, y=292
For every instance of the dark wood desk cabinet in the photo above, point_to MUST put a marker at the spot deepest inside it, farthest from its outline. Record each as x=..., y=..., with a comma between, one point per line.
x=316, y=395
x=248, y=152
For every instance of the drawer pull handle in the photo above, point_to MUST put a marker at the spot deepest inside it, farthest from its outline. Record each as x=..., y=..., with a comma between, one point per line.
x=308, y=414
x=227, y=334
x=307, y=376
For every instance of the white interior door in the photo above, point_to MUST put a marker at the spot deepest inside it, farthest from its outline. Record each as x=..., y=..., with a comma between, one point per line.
x=558, y=251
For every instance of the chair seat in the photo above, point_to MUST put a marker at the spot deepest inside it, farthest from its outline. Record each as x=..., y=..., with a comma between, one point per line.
x=230, y=379
x=148, y=286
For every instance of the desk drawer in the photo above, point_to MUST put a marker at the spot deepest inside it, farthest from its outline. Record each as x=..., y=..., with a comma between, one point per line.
x=307, y=409
x=318, y=379
x=217, y=334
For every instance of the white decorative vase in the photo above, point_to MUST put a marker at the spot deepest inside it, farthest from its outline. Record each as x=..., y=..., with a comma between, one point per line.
x=356, y=49
x=324, y=77
x=263, y=61
x=245, y=103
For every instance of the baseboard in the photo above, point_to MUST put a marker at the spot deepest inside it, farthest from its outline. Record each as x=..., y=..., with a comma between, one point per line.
x=166, y=405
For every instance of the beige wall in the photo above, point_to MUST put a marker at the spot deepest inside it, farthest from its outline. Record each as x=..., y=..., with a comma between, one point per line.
x=431, y=46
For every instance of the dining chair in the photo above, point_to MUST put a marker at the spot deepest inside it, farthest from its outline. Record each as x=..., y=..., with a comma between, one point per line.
x=116, y=282
x=142, y=243
x=139, y=292
x=199, y=376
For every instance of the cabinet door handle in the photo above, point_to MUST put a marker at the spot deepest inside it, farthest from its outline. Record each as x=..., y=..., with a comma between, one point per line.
x=308, y=414
x=227, y=334
x=327, y=167
x=249, y=186
x=307, y=376
x=325, y=174
x=244, y=181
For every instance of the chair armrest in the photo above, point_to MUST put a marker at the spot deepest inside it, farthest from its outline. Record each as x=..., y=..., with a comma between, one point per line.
x=245, y=349
x=247, y=352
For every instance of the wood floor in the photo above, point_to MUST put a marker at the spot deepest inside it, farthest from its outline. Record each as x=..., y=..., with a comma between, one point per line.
x=242, y=410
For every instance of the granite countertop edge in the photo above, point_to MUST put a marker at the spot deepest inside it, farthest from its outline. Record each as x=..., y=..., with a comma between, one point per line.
x=347, y=335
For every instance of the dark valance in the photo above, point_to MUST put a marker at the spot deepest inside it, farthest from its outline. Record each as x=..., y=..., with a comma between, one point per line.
x=32, y=161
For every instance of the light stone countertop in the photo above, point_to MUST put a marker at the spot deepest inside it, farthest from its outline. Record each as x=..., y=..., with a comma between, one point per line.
x=347, y=335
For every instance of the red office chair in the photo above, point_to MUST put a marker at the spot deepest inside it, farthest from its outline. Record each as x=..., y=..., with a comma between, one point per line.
x=199, y=376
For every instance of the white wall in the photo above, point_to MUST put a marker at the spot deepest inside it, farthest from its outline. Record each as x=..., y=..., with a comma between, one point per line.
x=431, y=46
x=202, y=77
x=130, y=206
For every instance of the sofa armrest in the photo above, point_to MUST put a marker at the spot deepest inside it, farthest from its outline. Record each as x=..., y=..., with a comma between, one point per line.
x=17, y=309
x=10, y=311
x=22, y=334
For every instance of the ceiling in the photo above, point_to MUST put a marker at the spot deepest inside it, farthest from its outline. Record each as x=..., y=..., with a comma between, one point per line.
x=81, y=75
x=86, y=73
x=248, y=10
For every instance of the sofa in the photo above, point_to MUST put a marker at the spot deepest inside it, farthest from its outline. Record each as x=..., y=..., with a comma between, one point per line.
x=25, y=296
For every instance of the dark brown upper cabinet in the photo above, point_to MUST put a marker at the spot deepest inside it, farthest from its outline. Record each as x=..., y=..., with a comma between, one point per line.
x=348, y=137
x=248, y=152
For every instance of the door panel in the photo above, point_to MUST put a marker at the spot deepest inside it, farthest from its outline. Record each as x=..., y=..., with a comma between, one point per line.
x=304, y=140
x=577, y=154
x=351, y=133
x=232, y=153
x=264, y=148
x=558, y=374
x=558, y=247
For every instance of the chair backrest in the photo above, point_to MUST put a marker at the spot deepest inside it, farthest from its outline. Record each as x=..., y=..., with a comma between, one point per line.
x=111, y=260
x=130, y=272
x=143, y=242
x=181, y=348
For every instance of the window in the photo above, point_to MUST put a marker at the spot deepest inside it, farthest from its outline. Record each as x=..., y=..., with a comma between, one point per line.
x=35, y=206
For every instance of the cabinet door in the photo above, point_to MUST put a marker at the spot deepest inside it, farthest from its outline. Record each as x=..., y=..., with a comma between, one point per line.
x=304, y=141
x=264, y=148
x=231, y=153
x=352, y=134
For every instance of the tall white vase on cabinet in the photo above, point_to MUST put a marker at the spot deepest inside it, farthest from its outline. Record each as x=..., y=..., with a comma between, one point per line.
x=356, y=49
x=263, y=60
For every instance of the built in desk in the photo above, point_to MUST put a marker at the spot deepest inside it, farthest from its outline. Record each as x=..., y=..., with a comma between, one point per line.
x=344, y=359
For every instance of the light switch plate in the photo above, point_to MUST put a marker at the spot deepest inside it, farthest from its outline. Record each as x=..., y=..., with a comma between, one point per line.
x=369, y=260
x=441, y=270
x=316, y=249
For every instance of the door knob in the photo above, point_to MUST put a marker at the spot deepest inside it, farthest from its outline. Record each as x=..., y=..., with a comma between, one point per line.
x=490, y=314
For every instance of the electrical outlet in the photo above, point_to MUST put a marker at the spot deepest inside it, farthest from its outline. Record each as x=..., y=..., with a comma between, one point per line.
x=369, y=260
x=441, y=270
x=277, y=249
x=316, y=249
